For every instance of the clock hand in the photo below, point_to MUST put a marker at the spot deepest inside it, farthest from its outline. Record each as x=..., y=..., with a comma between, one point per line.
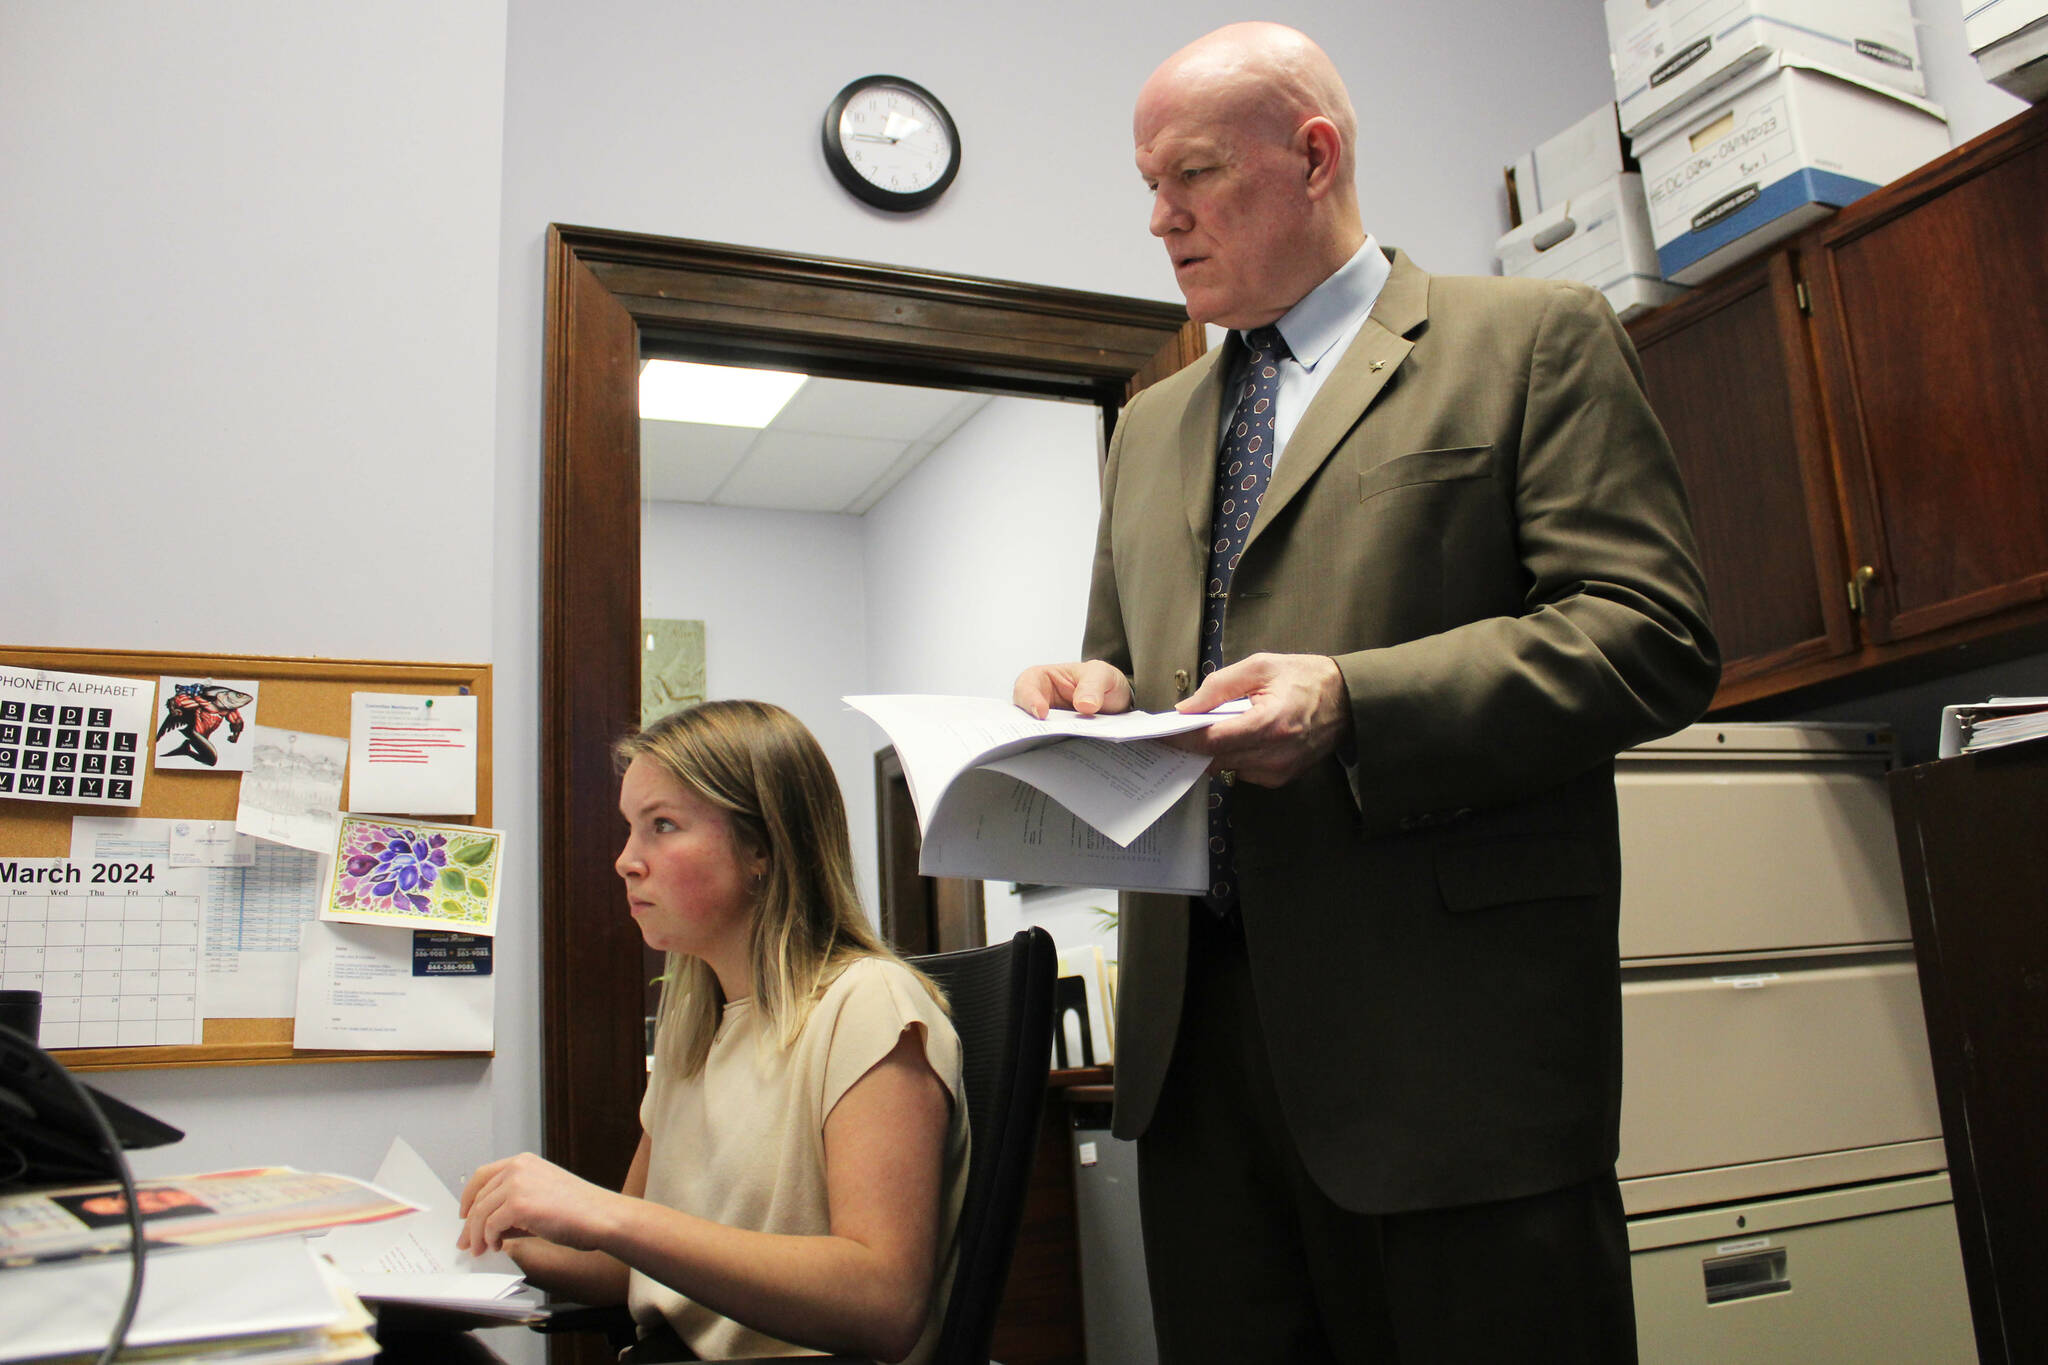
x=873, y=137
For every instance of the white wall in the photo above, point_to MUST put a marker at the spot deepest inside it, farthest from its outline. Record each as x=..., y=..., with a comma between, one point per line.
x=784, y=611
x=247, y=376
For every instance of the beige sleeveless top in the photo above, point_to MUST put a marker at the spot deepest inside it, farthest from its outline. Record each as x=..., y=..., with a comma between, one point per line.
x=744, y=1142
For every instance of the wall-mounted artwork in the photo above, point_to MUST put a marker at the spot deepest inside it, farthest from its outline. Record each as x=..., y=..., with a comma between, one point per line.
x=671, y=667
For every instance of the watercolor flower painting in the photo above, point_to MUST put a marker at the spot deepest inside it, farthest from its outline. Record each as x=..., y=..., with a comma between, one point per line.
x=396, y=872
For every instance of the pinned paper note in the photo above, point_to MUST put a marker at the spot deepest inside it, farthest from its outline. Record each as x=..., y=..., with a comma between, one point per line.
x=292, y=791
x=412, y=755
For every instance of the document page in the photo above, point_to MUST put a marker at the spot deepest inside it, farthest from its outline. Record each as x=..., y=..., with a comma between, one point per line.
x=1068, y=800
x=1017, y=833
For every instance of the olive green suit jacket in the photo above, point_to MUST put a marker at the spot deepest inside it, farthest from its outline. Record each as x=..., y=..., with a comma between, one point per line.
x=1479, y=518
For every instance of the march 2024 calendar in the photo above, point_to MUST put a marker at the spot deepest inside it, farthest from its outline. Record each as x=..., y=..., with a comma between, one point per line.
x=113, y=947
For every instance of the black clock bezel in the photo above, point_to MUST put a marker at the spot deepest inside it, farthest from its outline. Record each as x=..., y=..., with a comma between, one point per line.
x=858, y=185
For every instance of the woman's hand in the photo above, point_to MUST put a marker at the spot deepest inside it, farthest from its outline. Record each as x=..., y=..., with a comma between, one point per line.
x=524, y=1196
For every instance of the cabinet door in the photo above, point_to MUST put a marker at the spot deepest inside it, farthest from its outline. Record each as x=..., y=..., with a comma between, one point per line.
x=1931, y=318
x=1731, y=377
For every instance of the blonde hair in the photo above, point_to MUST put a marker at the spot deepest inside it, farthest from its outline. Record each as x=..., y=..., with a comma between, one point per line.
x=765, y=770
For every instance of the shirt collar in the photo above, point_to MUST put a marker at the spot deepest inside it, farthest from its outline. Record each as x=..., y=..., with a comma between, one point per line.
x=1334, y=309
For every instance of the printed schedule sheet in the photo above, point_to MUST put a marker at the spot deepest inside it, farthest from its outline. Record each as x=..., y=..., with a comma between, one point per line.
x=112, y=945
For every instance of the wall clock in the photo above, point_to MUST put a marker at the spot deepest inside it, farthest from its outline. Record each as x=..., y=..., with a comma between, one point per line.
x=891, y=143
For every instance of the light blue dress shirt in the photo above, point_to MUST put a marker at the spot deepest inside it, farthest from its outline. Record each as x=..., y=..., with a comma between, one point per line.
x=1318, y=330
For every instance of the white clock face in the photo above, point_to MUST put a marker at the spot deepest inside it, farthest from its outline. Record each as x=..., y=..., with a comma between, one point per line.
x=895, y=140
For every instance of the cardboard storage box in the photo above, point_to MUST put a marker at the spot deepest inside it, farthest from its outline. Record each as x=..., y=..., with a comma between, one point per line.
x=1669, y=51
x=1734, y=173
x=1581, y=158
x=1988, y=22
x=1600, y=237
x=2018, y=62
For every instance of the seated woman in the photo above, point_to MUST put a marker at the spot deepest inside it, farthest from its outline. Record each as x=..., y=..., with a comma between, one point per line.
x=804, y=1156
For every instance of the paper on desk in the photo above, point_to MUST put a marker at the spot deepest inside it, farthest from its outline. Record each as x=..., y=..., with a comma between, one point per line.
x=362, y=986
x=237, y=1289
x=292, y=791
x=419, y=1244
x=410, y=754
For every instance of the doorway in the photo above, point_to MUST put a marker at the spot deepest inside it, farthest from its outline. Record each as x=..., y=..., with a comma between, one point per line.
x=612, y=296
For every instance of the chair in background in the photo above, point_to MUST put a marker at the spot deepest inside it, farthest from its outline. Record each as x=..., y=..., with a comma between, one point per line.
x=1002, y=1009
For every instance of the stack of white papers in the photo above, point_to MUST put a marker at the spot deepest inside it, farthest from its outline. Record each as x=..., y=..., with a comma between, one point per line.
x=1987, y=725
x=261, y=1303
x=1070, y=800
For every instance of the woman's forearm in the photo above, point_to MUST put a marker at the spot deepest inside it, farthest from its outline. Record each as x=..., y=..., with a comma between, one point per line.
x=592, y=1277
x=826, y=1292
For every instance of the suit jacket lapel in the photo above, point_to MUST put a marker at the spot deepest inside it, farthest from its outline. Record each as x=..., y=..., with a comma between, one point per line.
x=1362, y=372
x=1201, y=427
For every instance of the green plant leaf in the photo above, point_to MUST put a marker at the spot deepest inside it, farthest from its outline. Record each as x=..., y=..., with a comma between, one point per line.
x=479, y=889
x=473, y=855
x=451, y=879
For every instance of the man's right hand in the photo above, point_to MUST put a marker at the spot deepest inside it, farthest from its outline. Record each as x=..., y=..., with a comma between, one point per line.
x=1091, y=688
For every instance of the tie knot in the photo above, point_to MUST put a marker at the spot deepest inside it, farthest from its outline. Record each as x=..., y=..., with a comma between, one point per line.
x=1266, y=344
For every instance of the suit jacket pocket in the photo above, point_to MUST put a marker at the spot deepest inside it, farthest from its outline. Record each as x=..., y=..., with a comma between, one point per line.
x=1482, y=873
x=1425, y=466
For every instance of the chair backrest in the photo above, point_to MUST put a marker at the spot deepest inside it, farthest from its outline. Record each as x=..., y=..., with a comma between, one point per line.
x=1002, y=1010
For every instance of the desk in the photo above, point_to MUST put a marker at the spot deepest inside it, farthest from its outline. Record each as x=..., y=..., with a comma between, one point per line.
x=1039, y=1322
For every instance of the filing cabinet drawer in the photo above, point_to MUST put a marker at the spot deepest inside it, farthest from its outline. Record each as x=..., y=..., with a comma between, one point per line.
x=1756, y=855
x=1869, y=1275
x=1726, y=1065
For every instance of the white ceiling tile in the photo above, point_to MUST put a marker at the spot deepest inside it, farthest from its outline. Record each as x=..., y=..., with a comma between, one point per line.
x=845, y=407
x=801, y=472
x=687, y=461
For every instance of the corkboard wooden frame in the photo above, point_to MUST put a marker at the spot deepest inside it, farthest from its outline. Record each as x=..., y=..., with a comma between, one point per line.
x=298, y=694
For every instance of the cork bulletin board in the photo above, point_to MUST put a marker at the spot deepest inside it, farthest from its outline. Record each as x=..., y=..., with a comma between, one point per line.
x=311, y=695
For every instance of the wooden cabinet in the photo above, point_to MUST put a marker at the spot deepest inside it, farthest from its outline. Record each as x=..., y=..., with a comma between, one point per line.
x=1862, y=421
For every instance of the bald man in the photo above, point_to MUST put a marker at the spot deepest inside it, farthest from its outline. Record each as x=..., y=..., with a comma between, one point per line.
x=1429, y=528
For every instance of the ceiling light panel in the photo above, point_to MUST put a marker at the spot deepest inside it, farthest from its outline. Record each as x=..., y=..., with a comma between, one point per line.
x=719, y=395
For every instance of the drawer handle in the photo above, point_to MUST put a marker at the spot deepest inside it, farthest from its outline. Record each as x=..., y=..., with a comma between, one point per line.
x=1747, y=1276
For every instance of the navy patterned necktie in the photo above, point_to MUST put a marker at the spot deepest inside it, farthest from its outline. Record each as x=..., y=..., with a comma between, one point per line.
x=1243, y=466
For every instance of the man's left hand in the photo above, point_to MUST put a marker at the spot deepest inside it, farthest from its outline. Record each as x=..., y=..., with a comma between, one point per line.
x=1299, y=714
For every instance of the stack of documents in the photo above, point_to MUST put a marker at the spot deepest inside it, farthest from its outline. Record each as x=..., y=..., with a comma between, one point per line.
x=408, y=1268
x=256, y=1303
x=1070, y=800
x=1986, y=725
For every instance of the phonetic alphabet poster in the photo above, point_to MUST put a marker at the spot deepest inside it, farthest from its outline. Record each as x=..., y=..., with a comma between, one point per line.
x=74, y=737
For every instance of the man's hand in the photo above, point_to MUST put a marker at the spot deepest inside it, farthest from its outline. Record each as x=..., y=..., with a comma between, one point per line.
x=1299, y=714
x=1090, y=688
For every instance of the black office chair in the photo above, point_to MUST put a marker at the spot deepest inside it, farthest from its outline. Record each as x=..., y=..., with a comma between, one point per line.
x=1002, y=1010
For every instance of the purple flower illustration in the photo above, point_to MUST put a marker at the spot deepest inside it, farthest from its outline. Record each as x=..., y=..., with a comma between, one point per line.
x=393, y=865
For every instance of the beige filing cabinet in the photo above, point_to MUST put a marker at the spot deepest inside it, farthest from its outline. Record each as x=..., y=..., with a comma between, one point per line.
x=1773, y=1039
x=1859, y=1275
x=1776, y=1075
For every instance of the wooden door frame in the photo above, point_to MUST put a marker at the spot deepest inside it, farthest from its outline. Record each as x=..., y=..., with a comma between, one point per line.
x=611, y=296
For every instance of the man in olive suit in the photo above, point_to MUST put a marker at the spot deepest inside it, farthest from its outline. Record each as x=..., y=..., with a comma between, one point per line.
x=1429, y=528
